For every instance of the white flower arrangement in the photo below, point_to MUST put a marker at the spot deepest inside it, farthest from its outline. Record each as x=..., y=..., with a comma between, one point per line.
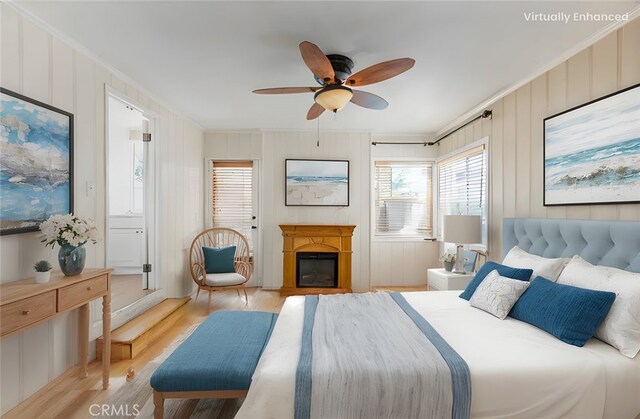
x=68, y=229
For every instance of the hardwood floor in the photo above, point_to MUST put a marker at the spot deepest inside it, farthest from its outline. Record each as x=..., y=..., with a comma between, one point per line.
x=69, y=396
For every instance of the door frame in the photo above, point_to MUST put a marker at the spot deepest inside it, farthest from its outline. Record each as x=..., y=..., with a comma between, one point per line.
x=256, y=202
x=125, y=314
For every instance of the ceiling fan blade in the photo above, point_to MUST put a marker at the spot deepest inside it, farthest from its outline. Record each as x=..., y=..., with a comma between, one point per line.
x=285, y=90
x=314, y=112
x=368, y=100
x=317, y=62
x=381, y=71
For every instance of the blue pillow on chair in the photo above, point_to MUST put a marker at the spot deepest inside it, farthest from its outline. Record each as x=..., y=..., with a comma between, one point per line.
x=509, y=272
x=219, y=261
x=569, y=313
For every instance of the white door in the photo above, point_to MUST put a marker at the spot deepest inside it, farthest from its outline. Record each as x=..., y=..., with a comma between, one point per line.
x=255, y=219
x=234, y=200
x=130, y=192
x=149, y=198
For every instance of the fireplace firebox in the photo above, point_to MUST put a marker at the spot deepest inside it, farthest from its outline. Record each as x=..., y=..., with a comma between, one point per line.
x=317, y=269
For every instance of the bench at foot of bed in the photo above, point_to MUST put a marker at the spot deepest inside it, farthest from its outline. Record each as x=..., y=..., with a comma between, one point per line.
x=216, y=361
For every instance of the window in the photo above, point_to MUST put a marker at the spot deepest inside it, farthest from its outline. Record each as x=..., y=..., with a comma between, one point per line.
x=403, y=198
x=462, y=186
x=231, y=192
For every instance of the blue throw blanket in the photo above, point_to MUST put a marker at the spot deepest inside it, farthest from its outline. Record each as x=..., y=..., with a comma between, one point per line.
x=373, y=355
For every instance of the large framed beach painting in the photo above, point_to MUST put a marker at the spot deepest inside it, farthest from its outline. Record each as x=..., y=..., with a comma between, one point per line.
x=36, y=162
x=317, y=183
x=592, y=152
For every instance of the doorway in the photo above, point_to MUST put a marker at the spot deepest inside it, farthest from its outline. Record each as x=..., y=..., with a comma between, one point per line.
x=233, y=187
x=130, y=203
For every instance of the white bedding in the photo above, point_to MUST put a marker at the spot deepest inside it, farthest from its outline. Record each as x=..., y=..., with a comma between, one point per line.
x=517, y=370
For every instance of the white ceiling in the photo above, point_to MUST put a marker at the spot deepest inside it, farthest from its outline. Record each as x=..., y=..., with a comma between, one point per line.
x=205, y=58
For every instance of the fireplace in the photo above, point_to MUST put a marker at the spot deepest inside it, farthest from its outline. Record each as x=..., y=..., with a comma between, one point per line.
x=316, y=258
x=316, y=269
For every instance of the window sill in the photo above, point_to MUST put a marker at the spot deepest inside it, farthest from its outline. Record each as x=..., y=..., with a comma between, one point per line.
x=382, y=239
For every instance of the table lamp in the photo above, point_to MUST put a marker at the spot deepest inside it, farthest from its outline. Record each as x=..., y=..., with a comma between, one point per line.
x=461, y=230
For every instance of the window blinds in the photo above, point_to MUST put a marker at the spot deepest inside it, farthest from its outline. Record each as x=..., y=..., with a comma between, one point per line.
x=231, y=192
x=403, y=198
x=462, y=186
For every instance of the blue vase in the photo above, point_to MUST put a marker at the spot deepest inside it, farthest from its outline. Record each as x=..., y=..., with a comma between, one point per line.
x=71, y=259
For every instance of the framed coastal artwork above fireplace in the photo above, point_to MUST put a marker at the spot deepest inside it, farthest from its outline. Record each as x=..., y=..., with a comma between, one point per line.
x=592, y=152
x=317, y=183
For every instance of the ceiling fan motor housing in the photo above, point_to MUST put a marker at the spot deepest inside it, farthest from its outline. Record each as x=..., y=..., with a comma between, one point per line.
x=342, y=67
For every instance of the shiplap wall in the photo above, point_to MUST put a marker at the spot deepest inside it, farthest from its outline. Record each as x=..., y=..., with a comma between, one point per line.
x=272, y=148
x=244, y=145
x=402, y=262
x=277, y=147
x=40, y=66
x=374, y=262
x=515, y=131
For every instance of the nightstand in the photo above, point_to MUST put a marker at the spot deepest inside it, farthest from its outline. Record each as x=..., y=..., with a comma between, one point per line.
x=441, y=280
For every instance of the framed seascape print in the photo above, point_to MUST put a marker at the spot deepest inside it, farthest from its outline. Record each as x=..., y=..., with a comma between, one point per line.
x=592, y=152
x=317, y=183
x=36, y=163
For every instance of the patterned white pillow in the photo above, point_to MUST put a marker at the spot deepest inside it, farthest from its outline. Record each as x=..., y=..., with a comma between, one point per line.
x=497, y=294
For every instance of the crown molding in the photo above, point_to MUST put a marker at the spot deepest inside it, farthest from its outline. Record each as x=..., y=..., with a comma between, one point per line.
x=71, y=42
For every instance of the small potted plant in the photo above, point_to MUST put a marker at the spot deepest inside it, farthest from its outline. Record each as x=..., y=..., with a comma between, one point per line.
x=448, y=260
x=43, y=271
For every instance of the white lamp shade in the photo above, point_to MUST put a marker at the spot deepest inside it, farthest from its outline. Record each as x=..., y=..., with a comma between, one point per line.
x=462, y=229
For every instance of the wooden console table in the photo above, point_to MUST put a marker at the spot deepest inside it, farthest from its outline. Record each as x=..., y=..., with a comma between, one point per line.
x=25, y=303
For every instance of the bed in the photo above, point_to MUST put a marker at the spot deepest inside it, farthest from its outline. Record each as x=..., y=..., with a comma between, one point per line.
x=516, y=369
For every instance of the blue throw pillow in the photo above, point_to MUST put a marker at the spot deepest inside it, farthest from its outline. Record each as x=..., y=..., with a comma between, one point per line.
x=219, y=261
x=503, y=270
x=569, y=313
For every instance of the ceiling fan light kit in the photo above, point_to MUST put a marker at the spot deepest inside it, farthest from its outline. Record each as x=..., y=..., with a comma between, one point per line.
x=333, y=73
x=333, y=97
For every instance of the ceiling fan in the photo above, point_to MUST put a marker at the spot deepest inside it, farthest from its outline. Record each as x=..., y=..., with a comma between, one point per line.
x=333, y=73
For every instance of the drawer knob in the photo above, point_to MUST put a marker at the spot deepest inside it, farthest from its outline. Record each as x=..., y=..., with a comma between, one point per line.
x=25, y=312
x=88, y=288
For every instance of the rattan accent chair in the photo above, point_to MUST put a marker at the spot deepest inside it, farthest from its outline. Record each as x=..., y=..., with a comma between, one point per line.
x=219, y=237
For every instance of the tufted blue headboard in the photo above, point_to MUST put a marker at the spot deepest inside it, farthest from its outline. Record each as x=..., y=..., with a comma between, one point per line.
x=609, y=243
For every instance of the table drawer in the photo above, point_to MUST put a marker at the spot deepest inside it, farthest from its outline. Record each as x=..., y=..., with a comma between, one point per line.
x=440, y=280
x=81, y=292
x=459, y=282
x=22, y=313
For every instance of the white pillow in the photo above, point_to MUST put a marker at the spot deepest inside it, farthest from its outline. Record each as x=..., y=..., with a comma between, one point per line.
x=497, y=294
x=621, y=327
x=545, y=267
